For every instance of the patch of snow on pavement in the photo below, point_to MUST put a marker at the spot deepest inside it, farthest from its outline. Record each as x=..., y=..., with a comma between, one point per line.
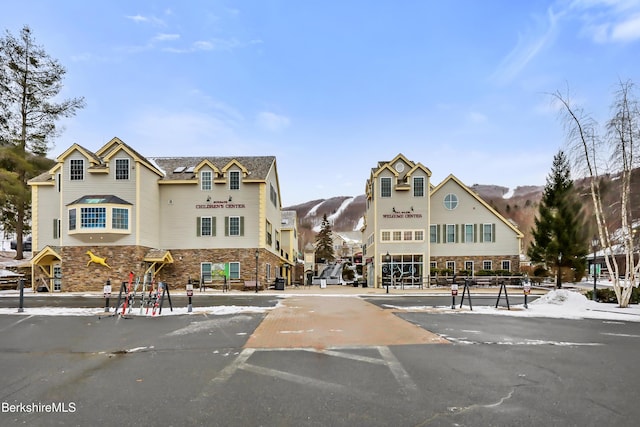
x=559, y=304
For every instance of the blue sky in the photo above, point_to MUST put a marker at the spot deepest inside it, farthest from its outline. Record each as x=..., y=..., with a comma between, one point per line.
x=332, y=87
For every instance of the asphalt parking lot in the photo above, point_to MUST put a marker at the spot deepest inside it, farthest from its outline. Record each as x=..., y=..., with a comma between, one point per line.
x=199, y=370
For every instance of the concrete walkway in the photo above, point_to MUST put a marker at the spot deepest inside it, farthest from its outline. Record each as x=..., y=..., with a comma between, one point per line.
x=328, y=322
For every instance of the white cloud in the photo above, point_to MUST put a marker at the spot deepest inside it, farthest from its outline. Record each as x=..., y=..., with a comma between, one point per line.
x=477, y=118
x=213, y=45
x=166, y=37
x=138, y=19
x=628, y=30
x=272, y=121
x=608, y=21
x=528, y=47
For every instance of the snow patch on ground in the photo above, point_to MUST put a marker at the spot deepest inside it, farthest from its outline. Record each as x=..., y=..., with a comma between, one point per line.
x=166, y=311
x=558, y=304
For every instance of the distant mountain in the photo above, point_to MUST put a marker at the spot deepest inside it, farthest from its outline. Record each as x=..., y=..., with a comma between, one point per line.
x=345, y=213
x=519, y=206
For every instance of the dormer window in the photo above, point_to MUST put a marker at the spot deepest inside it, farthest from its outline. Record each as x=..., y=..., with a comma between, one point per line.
x=76, y=171
x=205, y=180
x=122, y=169
x=234, y=180
x=418, y=186
x=385, y=187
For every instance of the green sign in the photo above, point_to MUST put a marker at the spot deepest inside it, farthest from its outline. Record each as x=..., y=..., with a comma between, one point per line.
x=220, y=269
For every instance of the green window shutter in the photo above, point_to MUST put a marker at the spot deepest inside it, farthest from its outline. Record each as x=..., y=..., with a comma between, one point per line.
x=56, y=232
x=198, y=226
x=213, y=226
x=493, y=232
x=457, y=233
x=242, y=226
x=438, y=233
x=475, y=233
x=226, y=225
x=481, y=232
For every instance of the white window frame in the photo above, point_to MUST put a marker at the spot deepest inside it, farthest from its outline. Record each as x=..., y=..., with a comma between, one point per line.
x=206, y=179
x=448, y=228
x=508, y=264
x=231, y=226
x=433, y=233
x=385, y=194
x=468, y=233
x=76, y=173
x=486, y=233
x=234, y=274
x=203, y=220
x=114, y=224
x=451, y=201
x=418, y=189
x=122, y=173
x=488, y=263
x=234, y=183
x=203, y=271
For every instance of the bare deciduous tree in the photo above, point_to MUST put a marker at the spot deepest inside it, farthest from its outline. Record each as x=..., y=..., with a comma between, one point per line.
x=612, y=152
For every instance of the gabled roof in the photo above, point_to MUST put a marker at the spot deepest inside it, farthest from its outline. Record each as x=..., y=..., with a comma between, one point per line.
x=92, y=157
x=159, y=255
x=479, y=199
x=46, y=255
x=204, y=162
x=419, y=166
x=116, y=145
x=234, y=162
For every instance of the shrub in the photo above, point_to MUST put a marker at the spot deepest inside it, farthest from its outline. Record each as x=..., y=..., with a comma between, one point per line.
x=540, y=271
x=609, y=296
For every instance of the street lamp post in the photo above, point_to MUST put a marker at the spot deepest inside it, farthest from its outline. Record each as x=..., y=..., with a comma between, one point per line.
x=594, y=245
x=257, y=254
x=387, y=259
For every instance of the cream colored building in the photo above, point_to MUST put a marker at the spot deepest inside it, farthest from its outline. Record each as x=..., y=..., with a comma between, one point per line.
x=411, y=227
x=177, y=218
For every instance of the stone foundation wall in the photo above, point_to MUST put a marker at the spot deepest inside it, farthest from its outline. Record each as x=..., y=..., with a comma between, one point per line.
x=78, y=276
x=187, y=265
x=478, y=261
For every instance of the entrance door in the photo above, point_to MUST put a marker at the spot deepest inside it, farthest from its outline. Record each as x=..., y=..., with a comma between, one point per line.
x=57, y=278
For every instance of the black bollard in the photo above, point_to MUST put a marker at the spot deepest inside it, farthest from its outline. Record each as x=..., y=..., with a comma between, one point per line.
x=21, y=305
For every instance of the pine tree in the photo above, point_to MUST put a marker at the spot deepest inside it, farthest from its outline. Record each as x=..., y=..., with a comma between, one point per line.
x=324, y=242
x=559, y=238
x=30, y=82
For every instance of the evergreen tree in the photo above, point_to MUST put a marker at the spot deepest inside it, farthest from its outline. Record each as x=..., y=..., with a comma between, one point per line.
x=324, y=242
x=559, y=238
x=30, y=82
